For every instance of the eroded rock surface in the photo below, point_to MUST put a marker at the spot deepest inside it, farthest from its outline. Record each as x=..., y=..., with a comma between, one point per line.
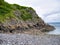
x=14, y=17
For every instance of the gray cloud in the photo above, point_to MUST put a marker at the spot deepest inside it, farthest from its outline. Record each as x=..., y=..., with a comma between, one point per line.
x=51, y=13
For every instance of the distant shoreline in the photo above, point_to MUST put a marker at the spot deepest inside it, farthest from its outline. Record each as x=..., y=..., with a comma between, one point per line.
x=53, y=22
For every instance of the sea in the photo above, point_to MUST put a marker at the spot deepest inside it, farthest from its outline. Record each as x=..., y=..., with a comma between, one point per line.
x=57, y=28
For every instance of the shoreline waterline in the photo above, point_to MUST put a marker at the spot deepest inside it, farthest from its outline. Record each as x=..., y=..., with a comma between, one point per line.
x=57, y=30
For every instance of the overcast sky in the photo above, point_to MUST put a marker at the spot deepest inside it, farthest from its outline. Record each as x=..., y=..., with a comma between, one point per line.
x=48, y=10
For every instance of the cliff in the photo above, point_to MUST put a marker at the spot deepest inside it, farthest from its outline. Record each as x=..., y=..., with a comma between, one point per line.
x=16, y=18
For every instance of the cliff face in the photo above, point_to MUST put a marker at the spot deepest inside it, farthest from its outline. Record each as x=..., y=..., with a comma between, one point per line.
x=15, y=18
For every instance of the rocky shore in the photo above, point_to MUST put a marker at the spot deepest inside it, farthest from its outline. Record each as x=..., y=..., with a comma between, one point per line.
x=25, y=39
x=20, y=25
x=16, y=18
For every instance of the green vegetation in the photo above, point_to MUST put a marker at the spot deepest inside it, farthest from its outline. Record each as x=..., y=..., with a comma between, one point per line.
x=6, y=11
x=26, y=16
x=1, y=2
x=19, y=7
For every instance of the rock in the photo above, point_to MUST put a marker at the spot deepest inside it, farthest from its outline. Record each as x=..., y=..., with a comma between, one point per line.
x=25, y=39
x=1, y=41
x=21, y=19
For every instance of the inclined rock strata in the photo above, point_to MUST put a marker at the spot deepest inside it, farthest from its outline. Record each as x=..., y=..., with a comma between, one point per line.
x=18, y=24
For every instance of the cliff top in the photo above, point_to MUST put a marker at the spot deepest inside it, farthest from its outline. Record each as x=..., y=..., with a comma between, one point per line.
x=6, y=11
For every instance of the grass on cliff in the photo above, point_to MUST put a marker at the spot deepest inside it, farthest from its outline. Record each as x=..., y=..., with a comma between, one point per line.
x=25, y=14
x=6, y=11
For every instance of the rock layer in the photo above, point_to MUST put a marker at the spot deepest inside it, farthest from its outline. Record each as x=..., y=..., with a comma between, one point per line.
x=15, y=18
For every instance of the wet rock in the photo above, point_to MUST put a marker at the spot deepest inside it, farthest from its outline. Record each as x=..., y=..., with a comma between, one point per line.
x=1, y=41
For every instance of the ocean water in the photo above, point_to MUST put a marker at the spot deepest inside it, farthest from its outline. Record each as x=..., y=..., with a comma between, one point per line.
x=57, y=30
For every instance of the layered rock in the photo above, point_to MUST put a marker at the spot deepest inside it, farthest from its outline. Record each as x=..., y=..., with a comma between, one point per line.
x=20, y=18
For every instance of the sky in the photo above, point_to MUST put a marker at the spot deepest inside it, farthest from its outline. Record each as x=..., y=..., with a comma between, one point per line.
x=48, y=10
